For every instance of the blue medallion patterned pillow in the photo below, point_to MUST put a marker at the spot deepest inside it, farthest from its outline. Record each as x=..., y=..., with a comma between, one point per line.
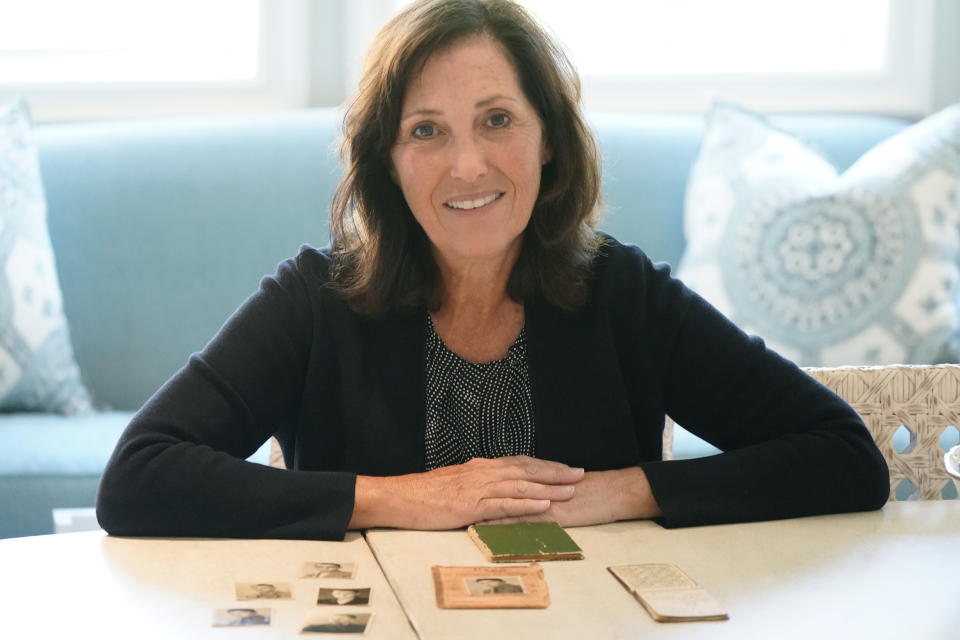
x=37, y=367
x=852, y=269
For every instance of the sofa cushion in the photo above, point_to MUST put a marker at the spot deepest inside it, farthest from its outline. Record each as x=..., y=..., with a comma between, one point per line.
x=37, y=367
x=852, y=269
x=46, y=444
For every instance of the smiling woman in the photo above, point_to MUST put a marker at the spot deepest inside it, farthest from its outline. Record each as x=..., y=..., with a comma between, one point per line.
x=468, y=157
x=469, y=349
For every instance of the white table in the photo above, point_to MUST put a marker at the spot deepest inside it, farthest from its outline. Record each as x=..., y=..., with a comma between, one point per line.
x=888, y=574
x=80, y=585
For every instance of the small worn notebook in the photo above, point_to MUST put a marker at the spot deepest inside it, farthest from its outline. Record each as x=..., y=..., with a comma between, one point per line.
x=524, y=541
x=514, y=587
x=667, y=593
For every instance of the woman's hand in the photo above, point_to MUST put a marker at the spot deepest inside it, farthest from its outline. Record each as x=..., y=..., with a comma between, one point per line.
x=455, y=496
x=602, y=496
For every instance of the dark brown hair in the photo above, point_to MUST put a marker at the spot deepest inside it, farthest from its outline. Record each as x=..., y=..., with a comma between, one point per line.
x=382, y=257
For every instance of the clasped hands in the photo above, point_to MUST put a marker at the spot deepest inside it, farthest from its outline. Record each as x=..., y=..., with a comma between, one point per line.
x=511, y=489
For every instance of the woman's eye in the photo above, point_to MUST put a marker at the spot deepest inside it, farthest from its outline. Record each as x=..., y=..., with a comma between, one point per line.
x=499, y=120
x=424, y=131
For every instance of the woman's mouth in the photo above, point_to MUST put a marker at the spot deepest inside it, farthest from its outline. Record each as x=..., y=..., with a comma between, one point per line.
x=467, y=205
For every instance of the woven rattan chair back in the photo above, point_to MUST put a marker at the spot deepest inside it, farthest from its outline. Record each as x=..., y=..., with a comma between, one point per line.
x=925, y=400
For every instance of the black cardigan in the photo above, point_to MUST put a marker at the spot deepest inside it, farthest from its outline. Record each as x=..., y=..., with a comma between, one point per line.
x=345, y=395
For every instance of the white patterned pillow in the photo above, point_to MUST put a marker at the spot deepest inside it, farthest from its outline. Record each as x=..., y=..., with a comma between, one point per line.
x=37, y=367
x=852, y=269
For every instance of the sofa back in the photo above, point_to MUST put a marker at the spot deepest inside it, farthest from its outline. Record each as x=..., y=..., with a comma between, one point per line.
x=161, y=228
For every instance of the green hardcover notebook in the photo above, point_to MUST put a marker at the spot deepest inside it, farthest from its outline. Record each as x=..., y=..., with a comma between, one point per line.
x=524, y=541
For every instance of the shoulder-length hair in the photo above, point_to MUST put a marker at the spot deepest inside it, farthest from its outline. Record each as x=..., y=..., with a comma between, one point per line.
x=382, y=259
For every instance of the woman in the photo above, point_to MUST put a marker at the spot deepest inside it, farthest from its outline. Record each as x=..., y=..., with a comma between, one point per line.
x=469, y=349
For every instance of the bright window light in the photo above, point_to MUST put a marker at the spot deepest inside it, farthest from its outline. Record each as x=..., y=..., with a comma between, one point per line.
x=717, y=37
x=177, y=42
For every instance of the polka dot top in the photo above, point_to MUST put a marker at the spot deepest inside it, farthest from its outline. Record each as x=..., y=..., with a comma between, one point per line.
x=477, y=410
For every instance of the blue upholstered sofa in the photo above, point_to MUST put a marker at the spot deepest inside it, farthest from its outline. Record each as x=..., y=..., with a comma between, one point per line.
x=161, y=228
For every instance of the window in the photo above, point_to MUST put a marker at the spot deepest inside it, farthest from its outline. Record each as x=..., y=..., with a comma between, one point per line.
x=118, y=41
x=863, y=55
x=705, y=37
x=126, y=57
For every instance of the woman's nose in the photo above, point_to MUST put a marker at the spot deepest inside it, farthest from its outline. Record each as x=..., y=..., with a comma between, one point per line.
x=469, y=162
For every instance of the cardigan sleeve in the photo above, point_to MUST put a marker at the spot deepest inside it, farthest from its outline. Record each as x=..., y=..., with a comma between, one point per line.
x=791, y=447
x=179, y=468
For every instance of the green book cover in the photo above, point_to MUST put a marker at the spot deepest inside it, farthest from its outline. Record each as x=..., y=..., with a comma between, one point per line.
x=524, y=541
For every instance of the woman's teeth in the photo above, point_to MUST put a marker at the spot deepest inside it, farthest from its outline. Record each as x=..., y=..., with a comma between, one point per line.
x=473, y=204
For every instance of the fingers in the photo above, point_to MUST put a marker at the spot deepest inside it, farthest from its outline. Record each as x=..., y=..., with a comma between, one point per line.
x=478, y=490
x=539, y=517
x=542, y=471
x=524, y=489
x=498, y=508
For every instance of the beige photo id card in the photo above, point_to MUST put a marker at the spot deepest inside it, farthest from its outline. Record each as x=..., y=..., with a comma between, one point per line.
x=505, y=587
x=667, y=593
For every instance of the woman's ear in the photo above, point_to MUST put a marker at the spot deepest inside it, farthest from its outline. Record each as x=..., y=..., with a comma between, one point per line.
x=545, y=155
x=392, y=170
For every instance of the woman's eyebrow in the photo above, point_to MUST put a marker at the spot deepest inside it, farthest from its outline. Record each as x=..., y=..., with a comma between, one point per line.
x=420, y=112
x=494, y=98
x=437, y=112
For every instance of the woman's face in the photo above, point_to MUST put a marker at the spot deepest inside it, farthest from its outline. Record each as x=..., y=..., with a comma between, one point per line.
x=469, y=152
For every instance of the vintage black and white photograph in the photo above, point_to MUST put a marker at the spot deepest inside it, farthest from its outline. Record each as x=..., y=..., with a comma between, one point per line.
x=241, y=617
x=325, y=569
x=356, y=623
x=343, y=596
x=489, y=586
x=263, y=591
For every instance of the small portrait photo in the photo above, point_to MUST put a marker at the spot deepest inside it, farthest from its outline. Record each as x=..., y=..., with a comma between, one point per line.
x=263, y=591
x=328, y=570
x=337, y=623
x=494, y=586
x=343, y=596
x=239, y=617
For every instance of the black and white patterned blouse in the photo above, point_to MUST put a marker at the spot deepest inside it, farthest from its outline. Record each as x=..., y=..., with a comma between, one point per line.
x=477, y=410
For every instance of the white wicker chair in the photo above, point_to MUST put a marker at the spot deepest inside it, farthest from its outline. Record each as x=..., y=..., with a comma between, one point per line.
x=923, y=399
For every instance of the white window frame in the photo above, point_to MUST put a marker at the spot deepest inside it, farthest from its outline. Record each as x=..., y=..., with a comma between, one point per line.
x=283, y=81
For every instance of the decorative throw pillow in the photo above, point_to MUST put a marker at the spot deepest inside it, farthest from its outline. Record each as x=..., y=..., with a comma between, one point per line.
x=852, y=269
x=37, y=367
